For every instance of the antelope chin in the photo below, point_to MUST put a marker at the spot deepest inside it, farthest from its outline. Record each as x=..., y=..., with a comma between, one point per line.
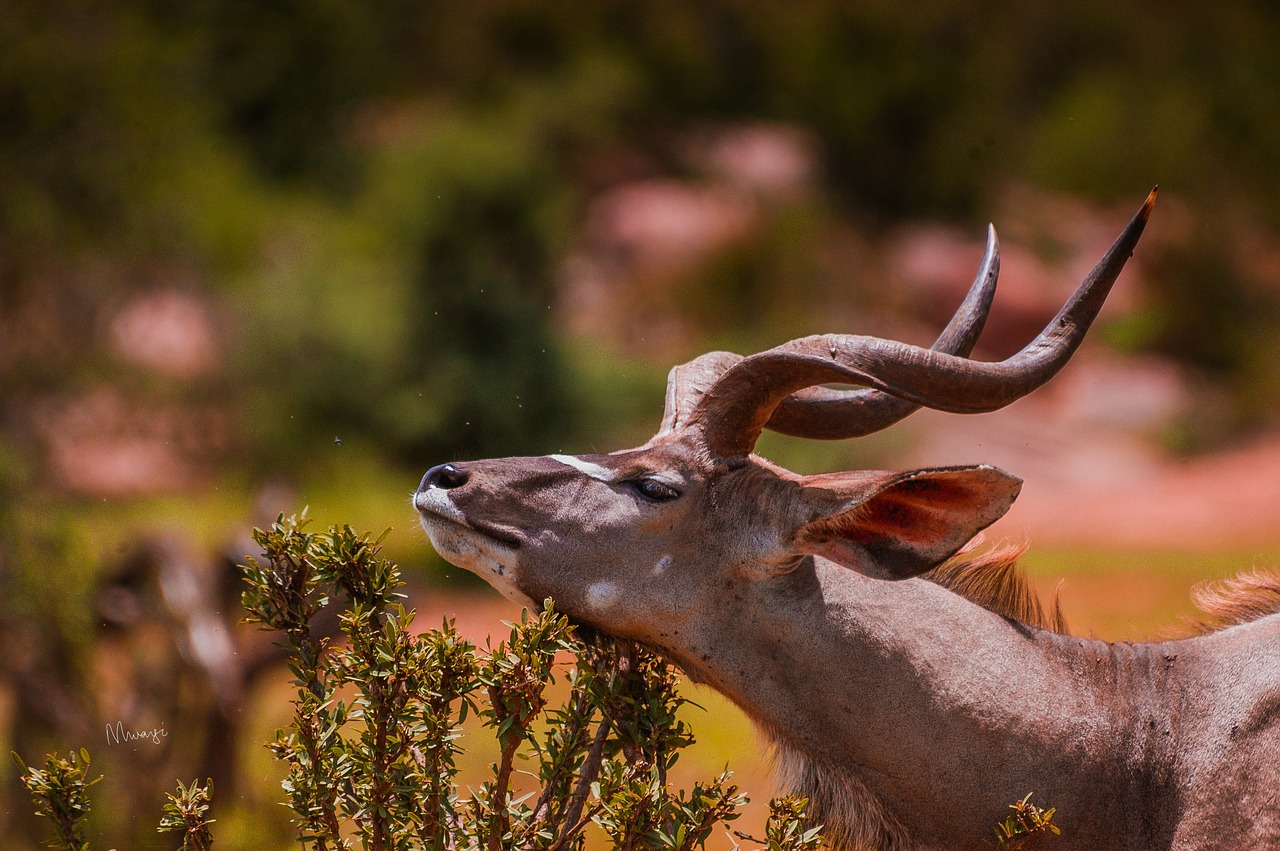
x=464, y=546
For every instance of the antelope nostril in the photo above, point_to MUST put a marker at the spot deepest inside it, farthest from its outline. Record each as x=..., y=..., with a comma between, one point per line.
x=444, y=476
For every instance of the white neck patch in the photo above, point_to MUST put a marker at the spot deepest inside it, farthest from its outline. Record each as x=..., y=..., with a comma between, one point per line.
x=595, y=471
x=602, y=596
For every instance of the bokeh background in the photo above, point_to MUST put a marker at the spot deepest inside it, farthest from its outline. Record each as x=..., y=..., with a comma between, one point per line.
x=260, y=255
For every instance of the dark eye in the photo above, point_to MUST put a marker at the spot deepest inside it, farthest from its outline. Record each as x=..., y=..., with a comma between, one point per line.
x=654, y=490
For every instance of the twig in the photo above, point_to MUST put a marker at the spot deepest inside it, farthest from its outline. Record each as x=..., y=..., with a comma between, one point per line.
x=582, y=715
x=590, y=770
x=577, y=827
x=500, y=821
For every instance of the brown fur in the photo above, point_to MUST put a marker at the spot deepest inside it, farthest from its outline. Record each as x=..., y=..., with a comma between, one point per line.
x=994, y=580
x=1238, y=599
x=851, y=816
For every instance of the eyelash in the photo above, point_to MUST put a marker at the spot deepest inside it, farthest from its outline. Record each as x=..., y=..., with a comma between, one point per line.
x=662, y=492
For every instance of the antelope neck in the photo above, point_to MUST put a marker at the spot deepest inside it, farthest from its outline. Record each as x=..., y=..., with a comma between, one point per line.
x=935, y=686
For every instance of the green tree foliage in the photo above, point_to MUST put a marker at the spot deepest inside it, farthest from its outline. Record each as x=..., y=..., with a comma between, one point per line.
x=268, y=148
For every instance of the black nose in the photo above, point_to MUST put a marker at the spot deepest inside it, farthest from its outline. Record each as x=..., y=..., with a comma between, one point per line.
x=444, y=476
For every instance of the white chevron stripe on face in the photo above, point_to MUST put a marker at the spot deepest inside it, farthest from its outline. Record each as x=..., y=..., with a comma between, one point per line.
x=595, y=471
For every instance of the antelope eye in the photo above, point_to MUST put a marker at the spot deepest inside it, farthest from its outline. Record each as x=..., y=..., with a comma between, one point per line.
x=654, y=490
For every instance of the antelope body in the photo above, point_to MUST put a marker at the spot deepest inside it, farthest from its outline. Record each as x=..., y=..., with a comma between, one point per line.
x=911, y=711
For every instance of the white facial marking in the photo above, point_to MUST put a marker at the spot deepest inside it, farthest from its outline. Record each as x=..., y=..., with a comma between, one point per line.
x=602, y=595
x=595, y=471
x=436, y=500
x=662, y=565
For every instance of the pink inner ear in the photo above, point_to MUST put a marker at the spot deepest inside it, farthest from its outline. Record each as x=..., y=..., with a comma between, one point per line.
x=915, y=512
x=926, y=515
x=912, y=523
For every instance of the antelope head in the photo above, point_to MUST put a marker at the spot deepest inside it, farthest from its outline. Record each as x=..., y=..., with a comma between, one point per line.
x=643, y=542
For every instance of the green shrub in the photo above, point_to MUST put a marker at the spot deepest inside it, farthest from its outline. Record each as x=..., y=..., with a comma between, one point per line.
x=60, y=792
x=1025, y=823
x=371, y=749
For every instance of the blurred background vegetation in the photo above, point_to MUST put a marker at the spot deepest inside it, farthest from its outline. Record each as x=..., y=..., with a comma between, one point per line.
x=260, y=254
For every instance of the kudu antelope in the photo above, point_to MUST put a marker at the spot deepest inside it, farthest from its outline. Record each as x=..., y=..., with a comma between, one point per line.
x=911, y=711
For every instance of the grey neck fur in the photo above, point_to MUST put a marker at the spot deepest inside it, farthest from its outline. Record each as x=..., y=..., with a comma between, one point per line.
x=1047, y=711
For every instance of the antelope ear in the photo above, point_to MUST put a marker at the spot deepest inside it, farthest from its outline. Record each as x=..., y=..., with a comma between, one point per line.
x=902, y=525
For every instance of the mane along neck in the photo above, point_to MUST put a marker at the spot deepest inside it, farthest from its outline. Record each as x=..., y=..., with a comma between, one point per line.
x=1239, y=599
x=995, y=581
x=852, y=817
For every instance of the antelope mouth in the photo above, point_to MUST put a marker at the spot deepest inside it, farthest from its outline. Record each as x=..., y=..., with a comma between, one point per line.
x=487, y=552
x=436, y=510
